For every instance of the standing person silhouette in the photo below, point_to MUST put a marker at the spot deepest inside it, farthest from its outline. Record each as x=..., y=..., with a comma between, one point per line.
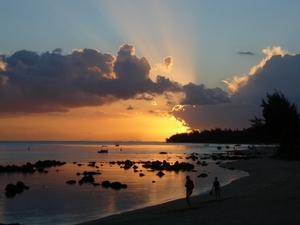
x=217, y=187
x=189, y=189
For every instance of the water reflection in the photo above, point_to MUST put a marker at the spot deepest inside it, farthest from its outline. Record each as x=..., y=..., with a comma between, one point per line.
x=51, y=201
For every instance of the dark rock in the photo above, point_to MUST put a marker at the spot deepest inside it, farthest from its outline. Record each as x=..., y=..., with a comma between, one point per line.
x=91, y=173
x=113, y=185
x=204, y=163
x=105, y=183
x=202, y=175
x=9, y=224
x=21, y=187
x=71, y=182
x=87, y=179
x=160, y=174
x=11, y=188
x=124, y=186
x=116, y=185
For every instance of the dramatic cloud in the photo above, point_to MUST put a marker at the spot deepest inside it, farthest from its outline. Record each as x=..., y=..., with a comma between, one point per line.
x=240, y=81
x=52, y=82
x=278, y=71
x=199, y=95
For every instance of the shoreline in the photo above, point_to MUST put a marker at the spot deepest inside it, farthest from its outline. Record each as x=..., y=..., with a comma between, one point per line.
x=269, y=195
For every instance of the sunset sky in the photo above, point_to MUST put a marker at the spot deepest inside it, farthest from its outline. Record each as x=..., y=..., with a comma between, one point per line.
x=142, y=70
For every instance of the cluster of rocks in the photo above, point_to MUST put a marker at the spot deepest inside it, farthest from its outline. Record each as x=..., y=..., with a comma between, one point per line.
x=12, y=189
x=113, y=185
x=154, y=166
x=177, y=166
x=90, y=179
x=31, y=168
x=127, y=164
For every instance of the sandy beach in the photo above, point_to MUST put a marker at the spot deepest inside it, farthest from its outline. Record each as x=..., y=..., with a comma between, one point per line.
x=269, y=195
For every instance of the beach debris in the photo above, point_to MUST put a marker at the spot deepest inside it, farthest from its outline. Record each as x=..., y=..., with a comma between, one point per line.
x=141, y=174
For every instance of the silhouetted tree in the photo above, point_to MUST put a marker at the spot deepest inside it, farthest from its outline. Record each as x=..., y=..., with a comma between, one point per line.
x=280, y=123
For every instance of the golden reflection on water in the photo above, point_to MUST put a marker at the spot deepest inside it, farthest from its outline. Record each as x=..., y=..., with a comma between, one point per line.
x=52, y=200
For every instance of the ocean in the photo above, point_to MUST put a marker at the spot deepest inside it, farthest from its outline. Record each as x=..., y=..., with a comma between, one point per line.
x=50, y=200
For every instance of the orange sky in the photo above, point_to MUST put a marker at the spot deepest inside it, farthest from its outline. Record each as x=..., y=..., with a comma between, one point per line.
x=92, y=124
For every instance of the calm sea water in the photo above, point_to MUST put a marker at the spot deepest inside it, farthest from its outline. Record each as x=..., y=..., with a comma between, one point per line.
x=51, y=201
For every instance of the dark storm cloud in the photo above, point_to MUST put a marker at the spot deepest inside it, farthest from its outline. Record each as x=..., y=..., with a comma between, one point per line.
x=200, y=95
x=246, y=53
x=52, y=82
x=281, y=73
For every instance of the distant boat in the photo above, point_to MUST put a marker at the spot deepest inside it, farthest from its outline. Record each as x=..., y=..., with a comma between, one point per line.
x=104, y=149
x=117, y=144
x=219, y=147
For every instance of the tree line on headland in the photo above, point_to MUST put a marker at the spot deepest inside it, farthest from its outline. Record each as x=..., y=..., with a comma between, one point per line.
x=217, y=135
x=280, y=125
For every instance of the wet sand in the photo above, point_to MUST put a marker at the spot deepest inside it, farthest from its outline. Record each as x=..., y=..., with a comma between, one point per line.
x=269, y=195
